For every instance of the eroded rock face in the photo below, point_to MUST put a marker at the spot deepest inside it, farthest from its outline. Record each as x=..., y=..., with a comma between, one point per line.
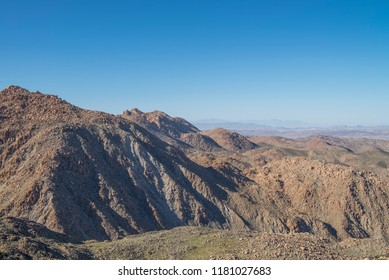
x=91, y=175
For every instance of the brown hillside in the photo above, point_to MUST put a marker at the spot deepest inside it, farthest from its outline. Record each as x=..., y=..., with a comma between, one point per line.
x=90, y=175
x=230, y=140
x=175, y=131
x=160, y=122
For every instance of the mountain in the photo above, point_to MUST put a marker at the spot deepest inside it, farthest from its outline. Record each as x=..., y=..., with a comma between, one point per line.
x=89, y=175
x=160, y=123
x=374, y=132
x=230, y=140
x=92, y=175
x=294, y=129
x=360, y=153
x=175, y=131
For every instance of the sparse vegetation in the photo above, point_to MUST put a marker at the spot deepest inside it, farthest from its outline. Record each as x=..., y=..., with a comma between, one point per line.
x=382, y=164
x=192, y=243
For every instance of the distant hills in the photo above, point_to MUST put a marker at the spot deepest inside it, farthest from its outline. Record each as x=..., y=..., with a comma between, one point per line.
x=295, y=129
x=249, y=125
x=73, y=175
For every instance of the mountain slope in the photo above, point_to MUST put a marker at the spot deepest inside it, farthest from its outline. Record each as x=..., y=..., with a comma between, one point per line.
x=175, y=131
x=230, y=140
x=91, y=175
x=95, y=176
x=160, y=122
x=23, y=239
x=359, y=153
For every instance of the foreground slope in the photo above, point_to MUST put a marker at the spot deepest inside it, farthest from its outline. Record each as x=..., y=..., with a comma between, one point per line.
x=21, y=239
x=26, y=240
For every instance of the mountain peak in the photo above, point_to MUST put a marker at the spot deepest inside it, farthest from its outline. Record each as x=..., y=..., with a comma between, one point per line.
x=230, y=140
x=136, y=111
x=133, y=111
x=160, y=122
x=19, y=104
x=15, y=89
x=160, y=113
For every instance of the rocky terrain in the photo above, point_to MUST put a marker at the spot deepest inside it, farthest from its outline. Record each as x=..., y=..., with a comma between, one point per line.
x=230, y=141
x=74, y=183
x=213, y=244
x=360, y=153
x=26, y=240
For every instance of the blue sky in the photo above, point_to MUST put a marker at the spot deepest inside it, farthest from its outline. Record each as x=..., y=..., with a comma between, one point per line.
x=319, y=61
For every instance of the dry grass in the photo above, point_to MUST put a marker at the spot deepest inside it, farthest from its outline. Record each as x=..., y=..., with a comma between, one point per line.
x=194, y=243
x=190, y=243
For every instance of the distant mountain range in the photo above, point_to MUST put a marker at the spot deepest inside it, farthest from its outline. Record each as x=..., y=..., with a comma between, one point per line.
x=249, y=124
x=295, y=129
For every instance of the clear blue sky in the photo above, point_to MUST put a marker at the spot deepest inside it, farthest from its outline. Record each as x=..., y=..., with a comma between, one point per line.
x=321, y=61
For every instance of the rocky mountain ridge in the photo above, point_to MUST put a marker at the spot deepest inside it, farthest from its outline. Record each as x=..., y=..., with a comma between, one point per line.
x=91, y=175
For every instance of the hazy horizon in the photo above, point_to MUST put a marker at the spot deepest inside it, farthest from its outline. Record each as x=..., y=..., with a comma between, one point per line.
x=321, y=62
x=288, y=123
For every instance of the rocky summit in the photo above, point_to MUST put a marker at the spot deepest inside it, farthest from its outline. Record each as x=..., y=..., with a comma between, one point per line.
x=78, y=175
